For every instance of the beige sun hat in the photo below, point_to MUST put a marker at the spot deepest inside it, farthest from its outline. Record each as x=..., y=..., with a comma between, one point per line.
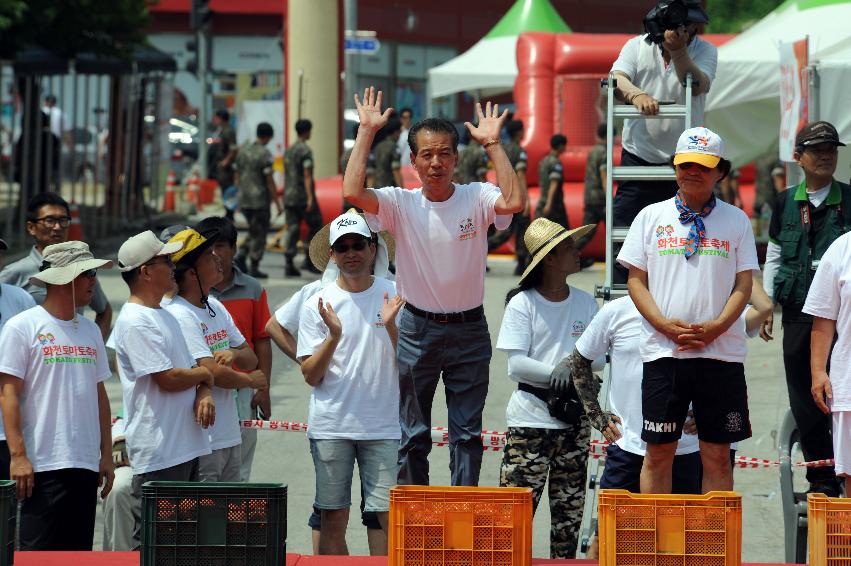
x=543, y=235
x=320, y=244
x=64, y=262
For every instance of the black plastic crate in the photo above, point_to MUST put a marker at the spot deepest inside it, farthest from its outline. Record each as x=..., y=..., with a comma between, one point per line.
x=8, y=516
x=213, y=524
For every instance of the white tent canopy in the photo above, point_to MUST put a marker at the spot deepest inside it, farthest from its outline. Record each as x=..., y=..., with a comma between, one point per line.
x=744, y=101
x=490, y=66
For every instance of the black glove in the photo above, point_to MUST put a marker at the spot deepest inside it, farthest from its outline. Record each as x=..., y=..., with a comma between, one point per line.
x=560, y=378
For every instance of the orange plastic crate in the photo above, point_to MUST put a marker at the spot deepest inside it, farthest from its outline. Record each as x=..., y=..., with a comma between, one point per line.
x=460, y=526
x=670, y=530
x=829, y=530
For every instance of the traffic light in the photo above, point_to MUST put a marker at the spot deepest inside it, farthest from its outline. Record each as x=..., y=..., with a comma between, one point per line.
x=200, y=14
x=192, y=56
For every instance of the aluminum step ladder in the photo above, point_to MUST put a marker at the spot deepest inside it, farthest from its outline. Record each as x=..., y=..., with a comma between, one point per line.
x=617, y=235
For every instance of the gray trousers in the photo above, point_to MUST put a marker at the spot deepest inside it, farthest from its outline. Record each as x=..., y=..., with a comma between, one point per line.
x=461, y=354
x=187, y=471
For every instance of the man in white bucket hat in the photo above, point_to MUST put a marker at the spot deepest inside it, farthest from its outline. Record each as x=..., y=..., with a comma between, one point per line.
x=691, y=260
x=55, y=409
x=163, y=389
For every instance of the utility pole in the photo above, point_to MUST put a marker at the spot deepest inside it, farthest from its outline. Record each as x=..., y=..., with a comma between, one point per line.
x=350, y=85
x=199, y=22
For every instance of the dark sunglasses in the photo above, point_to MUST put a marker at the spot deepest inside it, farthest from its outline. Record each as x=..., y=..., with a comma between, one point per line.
x=90, y=273
x=342, y=247
x=688, y=165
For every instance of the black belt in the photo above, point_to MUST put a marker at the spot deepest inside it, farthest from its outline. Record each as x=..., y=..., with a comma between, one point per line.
x=540, y=392
x=471, y=315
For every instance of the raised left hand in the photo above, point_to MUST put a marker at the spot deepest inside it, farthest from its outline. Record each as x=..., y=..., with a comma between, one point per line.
x=490, y=123
x=676, y=39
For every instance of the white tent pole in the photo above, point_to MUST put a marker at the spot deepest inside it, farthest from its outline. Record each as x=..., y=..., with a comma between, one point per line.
x=429, y=99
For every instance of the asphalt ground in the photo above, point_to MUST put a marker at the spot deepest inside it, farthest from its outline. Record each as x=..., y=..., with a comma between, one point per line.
x=284, y=456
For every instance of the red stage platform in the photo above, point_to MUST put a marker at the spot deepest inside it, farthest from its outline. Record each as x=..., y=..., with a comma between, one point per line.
x=132, y=559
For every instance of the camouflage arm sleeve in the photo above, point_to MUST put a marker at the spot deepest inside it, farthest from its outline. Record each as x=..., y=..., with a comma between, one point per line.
x=587, y=388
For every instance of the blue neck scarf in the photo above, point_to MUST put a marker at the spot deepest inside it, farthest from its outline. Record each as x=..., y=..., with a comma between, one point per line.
x=698, y=230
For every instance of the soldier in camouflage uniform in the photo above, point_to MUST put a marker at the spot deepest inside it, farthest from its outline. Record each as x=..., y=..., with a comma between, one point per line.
x=595, y=185
x=387, y=158
x=517, y=157
x=551, y=179
x=299, y=197
x=472, y=164
x=538, y=330
x=257, y=191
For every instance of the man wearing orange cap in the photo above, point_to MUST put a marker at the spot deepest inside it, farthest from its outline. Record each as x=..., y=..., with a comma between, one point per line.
x=691, y=261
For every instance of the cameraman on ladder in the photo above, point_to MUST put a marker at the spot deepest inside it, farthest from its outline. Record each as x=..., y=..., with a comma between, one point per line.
x=650, y=71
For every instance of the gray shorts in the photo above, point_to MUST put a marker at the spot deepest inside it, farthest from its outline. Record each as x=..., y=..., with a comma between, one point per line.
x=334, y=461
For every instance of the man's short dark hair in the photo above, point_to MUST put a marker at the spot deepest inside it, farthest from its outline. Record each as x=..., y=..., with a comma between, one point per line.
x=436, y=125
x=223, y=115
x=50, y=99
x=41, y=199
x=393, y=125
x=513, y=127
x=131, y=276
x=265, y=130
x=406, y=109
x=303, y=126
x=557, y=141
x=223, y=229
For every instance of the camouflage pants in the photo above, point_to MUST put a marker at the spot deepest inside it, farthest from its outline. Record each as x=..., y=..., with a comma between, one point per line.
x=533, y=454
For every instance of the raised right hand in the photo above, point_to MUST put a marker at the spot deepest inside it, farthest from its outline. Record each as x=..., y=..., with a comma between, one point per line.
x=646, y=104
x=329, y=317
x=370, y=115
x=21, y=472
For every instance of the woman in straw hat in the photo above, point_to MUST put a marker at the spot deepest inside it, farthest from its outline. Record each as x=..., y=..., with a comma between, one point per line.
x=543, y=318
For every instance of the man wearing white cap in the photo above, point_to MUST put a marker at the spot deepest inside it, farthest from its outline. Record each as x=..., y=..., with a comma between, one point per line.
x=346, y=345
x=55, y=409
x=13, y=300
x=163, y=388
x=441, y=233
x=691, y=261
x=216, y=344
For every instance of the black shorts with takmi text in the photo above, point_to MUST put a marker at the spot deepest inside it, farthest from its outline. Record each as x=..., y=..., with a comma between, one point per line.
x=716, y=391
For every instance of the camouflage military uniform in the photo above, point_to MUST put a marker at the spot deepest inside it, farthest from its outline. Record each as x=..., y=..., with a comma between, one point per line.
x=533, y=454
x=595, y=195
x=517, y=158
x=472, y=164
x=549, y=170
x=226, y=139
x=368, y=179
x=297, y=158
x=387, y=160
x=254, y=164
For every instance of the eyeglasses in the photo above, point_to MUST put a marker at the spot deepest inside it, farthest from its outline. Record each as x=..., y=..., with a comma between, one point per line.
x=341, y=248
x=165, y=260
x=689, y=164
x=52, y=221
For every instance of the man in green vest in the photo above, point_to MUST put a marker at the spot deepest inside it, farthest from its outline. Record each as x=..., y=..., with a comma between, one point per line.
x=804, y=222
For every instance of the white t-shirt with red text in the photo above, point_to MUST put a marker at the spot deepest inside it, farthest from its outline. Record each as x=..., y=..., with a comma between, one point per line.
x=694, y=290
x=205, y=335
x=61, y=363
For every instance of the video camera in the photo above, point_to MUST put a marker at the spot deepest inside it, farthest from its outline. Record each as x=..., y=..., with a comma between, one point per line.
x=671, y=14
